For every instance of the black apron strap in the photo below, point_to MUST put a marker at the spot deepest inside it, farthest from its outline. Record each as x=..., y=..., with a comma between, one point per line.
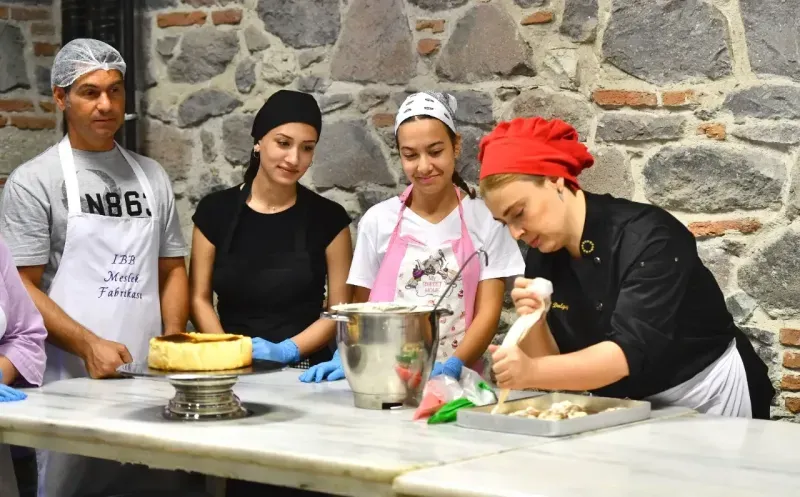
x=244, y=194
x=300, y=235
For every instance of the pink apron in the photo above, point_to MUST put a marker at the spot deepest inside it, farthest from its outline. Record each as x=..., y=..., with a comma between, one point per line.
x=416, y=273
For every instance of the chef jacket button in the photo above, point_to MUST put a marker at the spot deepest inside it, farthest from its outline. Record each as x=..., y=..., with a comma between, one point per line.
x=641, y=264
x=599, y=306
x=597, y=260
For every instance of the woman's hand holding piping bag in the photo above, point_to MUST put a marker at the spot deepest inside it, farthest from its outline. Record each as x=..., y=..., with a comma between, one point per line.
x=511, y=363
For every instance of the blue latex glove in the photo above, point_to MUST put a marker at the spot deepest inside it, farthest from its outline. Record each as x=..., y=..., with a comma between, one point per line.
x=331, y=371
x=285, y=352
x=451, y=367
x=8, y=394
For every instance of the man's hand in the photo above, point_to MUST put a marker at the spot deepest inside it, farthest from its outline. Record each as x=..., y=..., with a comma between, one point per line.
x=512, y=368
x=103, y=357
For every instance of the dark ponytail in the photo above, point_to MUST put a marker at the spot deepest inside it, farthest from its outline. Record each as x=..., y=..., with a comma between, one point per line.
x=252, y=168
x=457, y=179
x=459, y=182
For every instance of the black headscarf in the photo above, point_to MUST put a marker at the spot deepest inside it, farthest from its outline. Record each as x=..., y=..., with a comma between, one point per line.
x=283, y=107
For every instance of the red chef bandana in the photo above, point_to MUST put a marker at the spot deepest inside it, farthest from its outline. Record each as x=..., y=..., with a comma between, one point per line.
x=534, y=146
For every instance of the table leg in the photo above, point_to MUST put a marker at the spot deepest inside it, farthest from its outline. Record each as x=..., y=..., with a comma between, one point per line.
x=8, y=480
x=215, y=486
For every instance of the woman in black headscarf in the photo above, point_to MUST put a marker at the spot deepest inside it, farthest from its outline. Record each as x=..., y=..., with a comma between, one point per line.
x=269, y=246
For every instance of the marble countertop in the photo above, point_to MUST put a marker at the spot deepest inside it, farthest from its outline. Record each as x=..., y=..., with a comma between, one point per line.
x=311, y=436
x=302, y=435
x=685, y=456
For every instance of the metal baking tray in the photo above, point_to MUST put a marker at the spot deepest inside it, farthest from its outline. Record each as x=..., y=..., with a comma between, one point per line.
x=481, y=418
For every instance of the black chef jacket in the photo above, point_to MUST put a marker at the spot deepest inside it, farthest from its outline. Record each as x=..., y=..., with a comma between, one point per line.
x=640, y=284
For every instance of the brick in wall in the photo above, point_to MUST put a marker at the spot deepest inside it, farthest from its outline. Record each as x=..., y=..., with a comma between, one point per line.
x=29, y=14
x=542, y=17
x=624, y=98
x=228, y=16
x=45, y=49
x=435, y=25
x=791, y=359
x=719, y=228
x=174, y=19
x=33, y=122
x=790, y=336
x=15, y=105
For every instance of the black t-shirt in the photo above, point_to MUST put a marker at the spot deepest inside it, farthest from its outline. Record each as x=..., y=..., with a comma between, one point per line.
x=256, y=237
x=640, y=284
x=257, y=233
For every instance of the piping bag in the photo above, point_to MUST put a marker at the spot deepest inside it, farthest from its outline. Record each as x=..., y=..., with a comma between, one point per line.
x=543, y=289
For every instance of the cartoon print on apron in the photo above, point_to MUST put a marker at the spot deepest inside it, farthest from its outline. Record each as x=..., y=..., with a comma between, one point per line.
x=414, y=272
x=108, y=282
x=430, y=274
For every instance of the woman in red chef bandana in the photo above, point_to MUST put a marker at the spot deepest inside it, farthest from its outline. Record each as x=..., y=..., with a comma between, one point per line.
x=635, y=313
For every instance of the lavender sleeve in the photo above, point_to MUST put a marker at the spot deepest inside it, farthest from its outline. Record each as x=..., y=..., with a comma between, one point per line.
x=23, y=341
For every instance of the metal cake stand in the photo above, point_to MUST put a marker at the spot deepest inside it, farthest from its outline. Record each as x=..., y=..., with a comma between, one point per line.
x=202, y=395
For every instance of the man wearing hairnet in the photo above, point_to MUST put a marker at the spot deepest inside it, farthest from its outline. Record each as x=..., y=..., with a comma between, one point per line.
x=95, y=235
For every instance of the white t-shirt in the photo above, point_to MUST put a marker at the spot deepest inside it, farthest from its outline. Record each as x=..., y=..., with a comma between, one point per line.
x=376, y=226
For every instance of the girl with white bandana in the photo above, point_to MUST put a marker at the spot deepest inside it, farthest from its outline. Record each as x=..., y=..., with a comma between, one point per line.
x=410, y=247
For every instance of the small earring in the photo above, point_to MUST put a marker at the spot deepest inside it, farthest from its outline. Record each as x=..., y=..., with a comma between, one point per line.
x=561, y=195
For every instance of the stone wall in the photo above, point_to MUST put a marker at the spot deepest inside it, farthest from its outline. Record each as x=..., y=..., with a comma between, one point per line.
x=29, y=38
x=689, y=104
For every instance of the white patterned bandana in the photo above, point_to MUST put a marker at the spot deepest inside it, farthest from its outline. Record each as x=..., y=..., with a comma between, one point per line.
x=441, y=106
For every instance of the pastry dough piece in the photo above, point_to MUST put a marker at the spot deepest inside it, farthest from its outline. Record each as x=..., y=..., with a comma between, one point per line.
x=200, y=352
x=557, y=411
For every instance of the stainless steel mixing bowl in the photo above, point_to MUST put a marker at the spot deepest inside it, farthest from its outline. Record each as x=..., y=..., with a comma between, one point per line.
x=387, y=351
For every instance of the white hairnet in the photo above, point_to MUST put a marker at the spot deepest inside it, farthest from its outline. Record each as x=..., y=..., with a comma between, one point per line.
x=82, y=56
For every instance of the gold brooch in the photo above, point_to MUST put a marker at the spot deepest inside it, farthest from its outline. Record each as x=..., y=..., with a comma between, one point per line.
x=587, y=247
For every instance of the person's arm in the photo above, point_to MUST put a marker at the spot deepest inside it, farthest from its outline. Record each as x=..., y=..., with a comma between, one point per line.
x=173, y=287
x=203, y=315
x=9, y=372
x=173, y=281
x=360, y=294
x=588, y=369
x=63, y=331
x=366, y=259
x=22, y=355
x=488, y=305
x=338, y=255
x=657, y=267
x=102, y=357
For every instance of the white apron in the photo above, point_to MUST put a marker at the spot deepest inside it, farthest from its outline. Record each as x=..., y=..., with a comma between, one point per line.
x=108, y=282
x=720, y=389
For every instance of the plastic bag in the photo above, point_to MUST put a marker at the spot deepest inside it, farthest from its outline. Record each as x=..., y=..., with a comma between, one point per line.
x=443, y=390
